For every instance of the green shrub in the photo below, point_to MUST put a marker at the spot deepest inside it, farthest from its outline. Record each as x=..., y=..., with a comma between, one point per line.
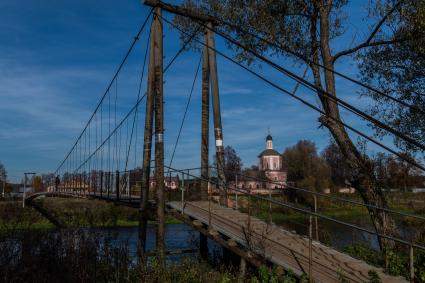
x=374, y=277
x=363, y=252
x=397, y=264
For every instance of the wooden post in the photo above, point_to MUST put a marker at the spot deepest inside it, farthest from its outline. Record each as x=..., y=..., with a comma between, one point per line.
x=182, y=193
x=73, y=182
x=117, y=184
x=159, y=137
x=108, y=186
x=310, y=249
x=218, y=131
x=205, y=120
x=236, y=192
x=147, y=151
x=249, y=214
x=316, y=221
x=169, y=184
x=209, y=205
x=101, y=183
x=86, y=186
x=270, y=206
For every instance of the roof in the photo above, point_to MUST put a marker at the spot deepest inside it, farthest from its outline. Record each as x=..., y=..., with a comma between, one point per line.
x=269, y=152
x=269, y=138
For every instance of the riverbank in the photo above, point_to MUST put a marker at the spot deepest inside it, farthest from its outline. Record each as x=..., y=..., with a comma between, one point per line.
x=407, y=203
x=71, y=213
x=31, y=253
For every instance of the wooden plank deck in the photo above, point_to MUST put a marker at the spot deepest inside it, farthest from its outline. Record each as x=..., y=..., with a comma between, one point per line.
x=283, y=248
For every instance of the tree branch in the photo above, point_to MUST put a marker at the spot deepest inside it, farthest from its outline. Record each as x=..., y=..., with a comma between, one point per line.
x=368, y=42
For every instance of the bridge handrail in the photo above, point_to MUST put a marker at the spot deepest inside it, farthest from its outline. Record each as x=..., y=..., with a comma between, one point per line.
x=306, y=211
x=402, y=241
x=335, y=197
x=401, y=213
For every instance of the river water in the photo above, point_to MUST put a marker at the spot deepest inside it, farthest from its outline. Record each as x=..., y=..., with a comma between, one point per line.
x=177, y=237
x=184, y=237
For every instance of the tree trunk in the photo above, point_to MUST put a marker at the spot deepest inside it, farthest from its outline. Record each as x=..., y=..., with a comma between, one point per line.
x=363, y=179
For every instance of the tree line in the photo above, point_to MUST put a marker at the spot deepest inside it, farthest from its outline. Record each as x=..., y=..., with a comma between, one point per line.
x=310, y=169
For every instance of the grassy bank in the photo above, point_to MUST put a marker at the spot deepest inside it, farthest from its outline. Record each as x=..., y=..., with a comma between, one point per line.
x=72, y=213
x=409, y=203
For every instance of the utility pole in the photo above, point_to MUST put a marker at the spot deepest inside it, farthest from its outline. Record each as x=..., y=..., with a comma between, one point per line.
x=205, y=115
x=218, y=130
x=205, y=121
x=147, y=152
x=159, y=138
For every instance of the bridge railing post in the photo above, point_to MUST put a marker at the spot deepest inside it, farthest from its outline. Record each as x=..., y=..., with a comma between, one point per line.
x=249, y=211
x=101, y=183
x=310, y=248
x=107, y=183
x=316, y=221
x=236, y=192
x=270, y=205
x=169, y=184
x=182, y=194
x=117, y=184
x=209, y=204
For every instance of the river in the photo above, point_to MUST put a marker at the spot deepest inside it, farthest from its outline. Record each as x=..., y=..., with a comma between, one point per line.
x=177, y=237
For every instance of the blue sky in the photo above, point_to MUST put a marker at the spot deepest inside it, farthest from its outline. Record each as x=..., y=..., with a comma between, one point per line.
x=58, y=57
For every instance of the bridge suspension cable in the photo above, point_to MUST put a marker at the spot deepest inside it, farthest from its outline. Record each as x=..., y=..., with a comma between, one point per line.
x=320, y=92
x=137, y=108
x=124, y=60
x=185, y=111
x=116, y=132
x=298, y=55
x=303, y=101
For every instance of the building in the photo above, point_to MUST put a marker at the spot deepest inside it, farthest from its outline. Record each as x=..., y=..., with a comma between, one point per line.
x=170, y=182
x=270, y=173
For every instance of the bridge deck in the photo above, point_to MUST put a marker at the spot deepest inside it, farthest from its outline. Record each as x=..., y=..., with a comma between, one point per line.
x=282, y=247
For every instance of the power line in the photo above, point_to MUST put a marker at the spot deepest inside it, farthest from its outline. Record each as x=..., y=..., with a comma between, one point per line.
x=412, y=162
x=182, y=48
x=309, y=61
x=321, y=92
x=138, y=96
x=127, y=116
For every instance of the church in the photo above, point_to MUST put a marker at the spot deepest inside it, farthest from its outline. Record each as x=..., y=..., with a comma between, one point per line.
x=270, y=173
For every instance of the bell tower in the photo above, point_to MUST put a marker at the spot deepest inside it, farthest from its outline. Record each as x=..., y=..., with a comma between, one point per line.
x=269, y=141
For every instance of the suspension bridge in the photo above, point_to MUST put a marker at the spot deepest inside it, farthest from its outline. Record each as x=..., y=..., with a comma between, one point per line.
x=103, y=164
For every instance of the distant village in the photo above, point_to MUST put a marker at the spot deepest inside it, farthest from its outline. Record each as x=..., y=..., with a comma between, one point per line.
x=298, y=166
